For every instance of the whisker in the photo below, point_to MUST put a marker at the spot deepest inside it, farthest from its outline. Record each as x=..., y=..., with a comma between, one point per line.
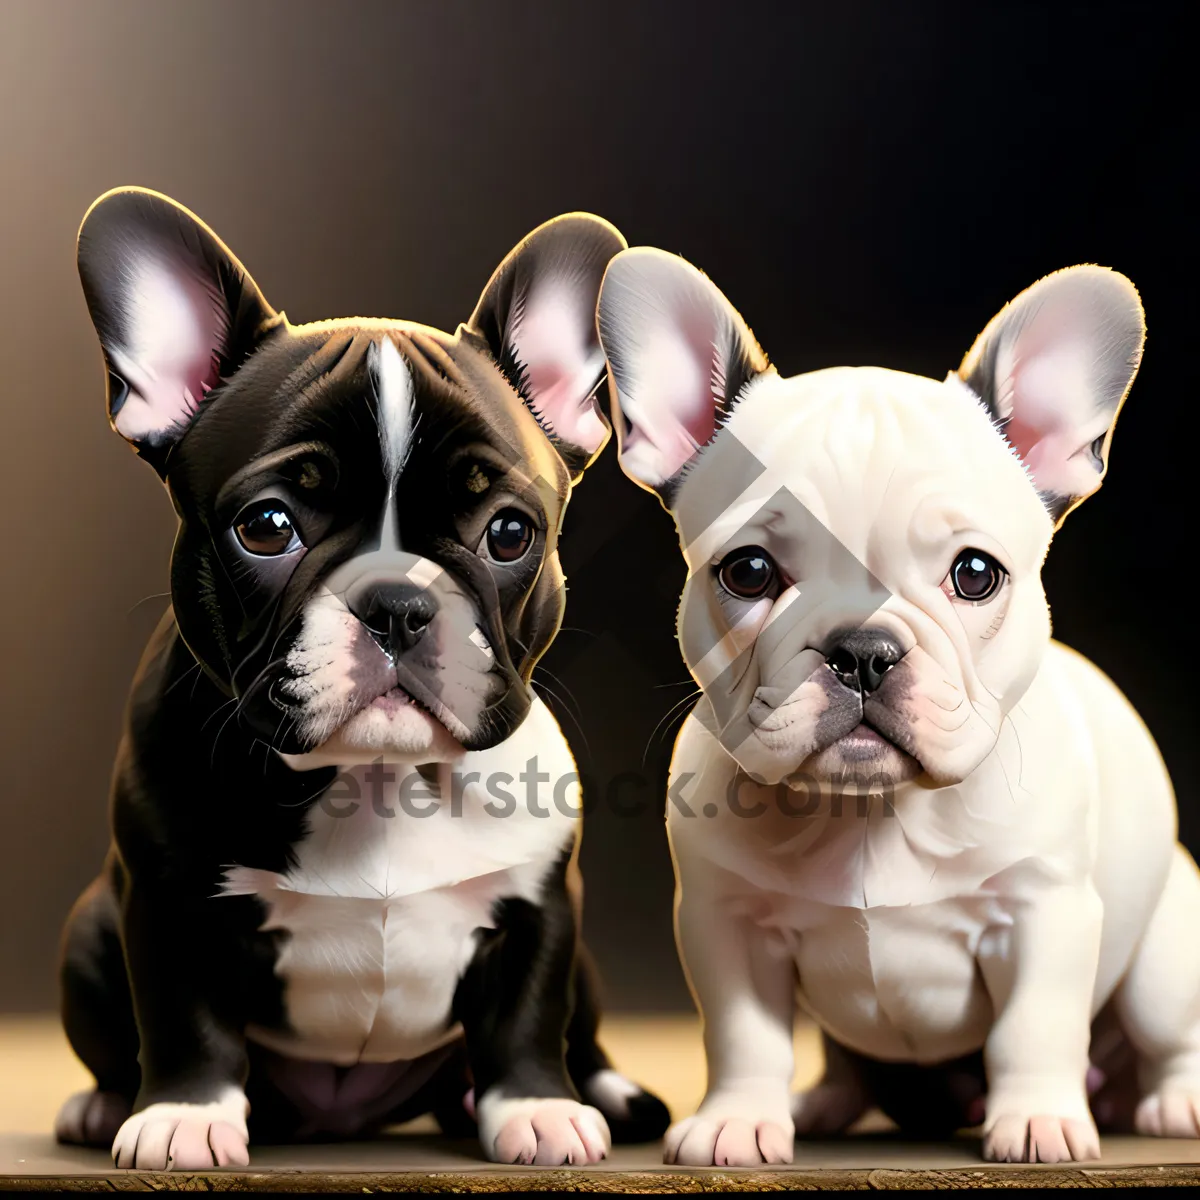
x=212, y=759
x=566, y=712
x=144, y=599
x=306, y=800
x=575, y=629
x=667, y=718
x=193, y=667
x=217, y=712
x=561, y=683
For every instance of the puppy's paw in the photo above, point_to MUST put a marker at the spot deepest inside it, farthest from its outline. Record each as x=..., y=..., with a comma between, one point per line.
x=731, y=1131
x=550, y=1133
x=828, y=1108
x=91, y=1118
x=1169, y=1112
x=185, y=1137
x=1018, y=1137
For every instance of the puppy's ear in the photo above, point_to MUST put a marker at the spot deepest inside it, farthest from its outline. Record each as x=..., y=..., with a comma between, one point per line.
x=679, y=355
x=1053, y=368
x=175, y=311
x=538, y=317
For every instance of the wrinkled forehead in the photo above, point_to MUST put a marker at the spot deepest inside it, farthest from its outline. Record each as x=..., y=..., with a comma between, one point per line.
x=866, y=454
x=372, y=393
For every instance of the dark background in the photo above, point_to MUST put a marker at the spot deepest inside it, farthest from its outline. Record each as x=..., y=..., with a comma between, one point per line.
x=869, y=183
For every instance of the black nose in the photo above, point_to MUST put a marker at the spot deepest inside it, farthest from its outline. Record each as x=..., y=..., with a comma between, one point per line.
x=862, y=657
x=396, y=614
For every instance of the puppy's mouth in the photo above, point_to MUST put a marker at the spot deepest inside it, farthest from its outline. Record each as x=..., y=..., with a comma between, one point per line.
x=863, y=743
x=390, y=703
x=851, y=734
x=875, y=746
x=399, y=691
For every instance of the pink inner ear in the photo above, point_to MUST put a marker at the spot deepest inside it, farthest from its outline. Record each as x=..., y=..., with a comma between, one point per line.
x=555, y=395
x=562, y=363
x=174, y=325
x=1045, y=390
x=677, y=369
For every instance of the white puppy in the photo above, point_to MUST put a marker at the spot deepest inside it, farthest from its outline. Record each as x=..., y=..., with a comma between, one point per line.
x=898, y=801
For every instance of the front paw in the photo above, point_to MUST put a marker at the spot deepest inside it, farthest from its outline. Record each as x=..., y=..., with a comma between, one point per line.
x=547, y=1132
x=1015, y=1136
x=185, y=1137
x=731, y=1132
x=1169, y=1112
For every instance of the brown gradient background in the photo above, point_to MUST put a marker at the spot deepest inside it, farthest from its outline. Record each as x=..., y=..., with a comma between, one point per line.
x=868, y=182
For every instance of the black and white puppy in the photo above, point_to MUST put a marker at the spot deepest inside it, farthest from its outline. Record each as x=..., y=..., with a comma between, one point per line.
x=342, y=884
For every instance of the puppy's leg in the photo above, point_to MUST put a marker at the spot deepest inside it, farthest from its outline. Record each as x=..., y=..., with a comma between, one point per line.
x=190, y=1112
x=514, y=1004
x=453, y=1097
x=1159, y=1005
x=745, y=990
x=837, y=1100
x=633, y=1114
x=1041, y=973
x=97, y=1014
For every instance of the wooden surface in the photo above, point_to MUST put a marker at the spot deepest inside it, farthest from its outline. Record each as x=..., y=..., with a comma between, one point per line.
x=37, y=1070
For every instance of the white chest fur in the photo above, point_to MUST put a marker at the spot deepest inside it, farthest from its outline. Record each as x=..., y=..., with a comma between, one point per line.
x=895, y=982
x=383, y=905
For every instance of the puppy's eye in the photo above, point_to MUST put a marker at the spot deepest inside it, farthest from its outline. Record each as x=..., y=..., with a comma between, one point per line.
x=748, y=573
x=509, y=536
x=266, y=527
x=976, y=576
x=310, y=476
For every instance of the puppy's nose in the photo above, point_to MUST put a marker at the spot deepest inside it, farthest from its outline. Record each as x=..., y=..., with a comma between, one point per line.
x=395, y=614
x=862, y=657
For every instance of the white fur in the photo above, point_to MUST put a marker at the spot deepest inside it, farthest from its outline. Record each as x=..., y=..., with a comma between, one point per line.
x=186, y=1137
x=542, y=1132
x=1065, y=353
x=382, y=911
x=394, y=389
x=668, y=333
x=1001, y=910
x=1011, y=864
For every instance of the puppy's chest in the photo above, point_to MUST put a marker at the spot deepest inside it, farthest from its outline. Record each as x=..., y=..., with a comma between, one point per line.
x=381, y=914
x=891, y=982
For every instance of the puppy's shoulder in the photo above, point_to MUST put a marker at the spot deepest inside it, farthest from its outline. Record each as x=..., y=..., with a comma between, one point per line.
x=1081, y=685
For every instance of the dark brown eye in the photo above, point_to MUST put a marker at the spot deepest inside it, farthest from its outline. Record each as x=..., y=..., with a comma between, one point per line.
x=509, y=536
x=748, y=573
x=976, y=576
x=266, y=527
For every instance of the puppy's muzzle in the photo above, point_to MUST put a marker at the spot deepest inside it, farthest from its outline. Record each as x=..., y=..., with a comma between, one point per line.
x=860, y=658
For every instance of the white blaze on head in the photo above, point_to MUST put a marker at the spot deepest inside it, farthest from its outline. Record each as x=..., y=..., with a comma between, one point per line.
x=394, y=391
